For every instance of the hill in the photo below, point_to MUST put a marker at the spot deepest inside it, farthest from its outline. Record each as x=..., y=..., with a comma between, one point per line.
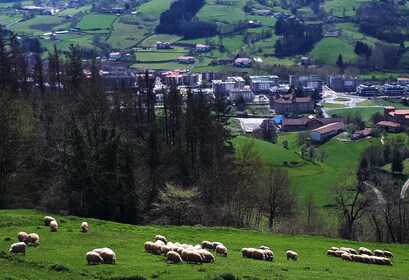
x=61, y=255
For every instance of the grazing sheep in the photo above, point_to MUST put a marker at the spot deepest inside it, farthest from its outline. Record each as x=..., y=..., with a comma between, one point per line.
x=93, y=258
x=19, y=247
x=346, y=257
x=332, y=253
x=258, y=254
x=84, y=227
x=184, y=253
x=387, y=261
x=388, y=254
x=264, y=247
x=156, y=248
x=378, y=253
x=207, y=256
x=33, y=239
x=207, y=245
x=22, y=236
x=340, y=252
x=148, y=246
x=197, y=247
x=162, y=238
x=107, y=254
x=215, y=244
x=221, y=250
x=160, y=242
x=193, y=257
x=352, y=251
x=333, y=248
x=53, y=226
x=365, y=258
x=173, y=257
x=180, y=250
x=269, y=255
x=357, y=258
x=366, y=251
x=165, y=249
x=247, y=252
x=291, y=255
x=47, y=220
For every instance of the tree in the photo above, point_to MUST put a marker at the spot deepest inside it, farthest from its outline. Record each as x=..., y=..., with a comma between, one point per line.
x=340, y=63
x=285, y=144
x=276, y=194
x=397, y=163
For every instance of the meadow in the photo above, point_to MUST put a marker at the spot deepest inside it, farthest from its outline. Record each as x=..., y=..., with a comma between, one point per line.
x=39, y=25
x=365, y=113
x=97, y=22
x=328, y=50
x=61, y=255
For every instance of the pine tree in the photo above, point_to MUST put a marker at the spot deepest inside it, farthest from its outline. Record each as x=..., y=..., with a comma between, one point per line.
x=397, y=163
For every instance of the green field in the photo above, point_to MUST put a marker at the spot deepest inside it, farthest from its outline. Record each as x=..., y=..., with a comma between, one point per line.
x=124, y=36
x=73, y=11
x=6, y=19
x=366, y=103
x=97, y=22
x=228, y=12
x=161, y=66
x=61, y=255
x=328, y=50
x=342, y=8
x=151, y=10
x=83, y=40
x=388, y=168
x=333, y=105
x=159, y=55
x=366, y=113
x=40, y=25
x=151, y=40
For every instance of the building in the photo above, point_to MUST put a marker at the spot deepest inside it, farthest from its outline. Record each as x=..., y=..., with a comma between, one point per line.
x=366, y=90
x=115, y=56
x=118, y=78
x=210, y=76
x=360, y=134
x=261, y=12
x=220, y=87
x=254, y=23
x=242, y=62
x=279, y=89
x=166, y=45
x=307, y=81
x=186, y=59
x=305, y=124
x=327, y=131
x=392, y=89
x=289, y=104
x=342, y=83
x=390, y=114
x=389, y=126
x=262, y=84
x=202, y=48
x=237, y=93
x=180, y=78
x=403, y=81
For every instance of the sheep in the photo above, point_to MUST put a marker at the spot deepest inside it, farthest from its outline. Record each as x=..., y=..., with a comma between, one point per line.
x=54, y=226
x=207, y=245
x=160, y=242
x=184, y=253
x=333, y=248
x=352, y=251
x=47, y=220
x=84, y=227
x=264, y=247
x=346, y=257
x=247, y=252
x=93, y=258
x=19, y=247
x=194, y=257
x=258, y=254
x=148, y=246
x=33, y=239
x=173, y=257
x=215, y=244
x=156, y=248
x=162, y=238
x=180, y=250
x=197, y=247
x=388, y=254
x=387, y=261
x=356, y=258
x=22, y=236
x=291, y=255
x=207, y=256
x=269, y=255
x=366, y=251
x=331, y=253
x=165, y=249
x=107, y=254
x=221, y=250
x=378, y=253
x=365, y=258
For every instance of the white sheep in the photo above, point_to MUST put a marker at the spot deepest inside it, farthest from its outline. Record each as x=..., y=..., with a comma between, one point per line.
x=207, y=245
x=388, y=254
x=107, y=254
x=221, y=250
x=19, y=247
x=162, y=238
x=84, y=227
x=173, y=257
x=258, y=254
x=366, y=251
x=269, y=255
x=33, y=239
x=47, y=220
x=247, y=252
x=346, y=257
x=54, y=226
x=378, y=253
x=193, y=257
x=333, y=248
x=331, y=253
x=206, y=255
x=291, y=255
x=262, y=247
x=22, y=236
x=215, y=244
x=93, y=258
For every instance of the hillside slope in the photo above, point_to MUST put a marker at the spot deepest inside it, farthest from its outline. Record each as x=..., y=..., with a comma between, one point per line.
x=61, y=255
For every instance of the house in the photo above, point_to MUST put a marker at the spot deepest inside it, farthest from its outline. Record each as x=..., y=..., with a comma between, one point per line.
x=389, y=126
x=305, y=60
x=305, y=124
x=115, y=56
x=186, y=59
x=396, y=116
x=366, y=89
x=163, y=46
x=327, y=131
x=403, y=81
x=343, y=83
x=180, y=78
x=262, y=84
x=392, y=89
x=254, y=23
x=118, y=78
x=361, y=133
x=312, y=81
x=246, y=93
x=289, y=104
x=202, y=48
x=242, y=62
x=279, y=89
x=225, y=61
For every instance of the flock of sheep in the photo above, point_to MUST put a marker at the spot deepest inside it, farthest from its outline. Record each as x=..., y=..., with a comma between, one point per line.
x=178, y=253
x=364, y=255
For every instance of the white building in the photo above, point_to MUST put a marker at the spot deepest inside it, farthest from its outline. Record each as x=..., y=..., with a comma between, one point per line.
x=246, y=93
x=262, y=84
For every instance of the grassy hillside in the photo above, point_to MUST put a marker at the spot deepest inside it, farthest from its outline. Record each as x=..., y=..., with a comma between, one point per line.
x=61, y=255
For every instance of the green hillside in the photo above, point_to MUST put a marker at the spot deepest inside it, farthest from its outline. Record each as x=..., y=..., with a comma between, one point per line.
x=61, y=255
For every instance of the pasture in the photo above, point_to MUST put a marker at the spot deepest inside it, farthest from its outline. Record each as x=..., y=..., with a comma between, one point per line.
x=96, y=22
x=40, y=25
x=228, y=12
x=328, y=50
x=73, y=11
x=345, y=8
x=365, y=113
x=124, y=36
x=61, y=255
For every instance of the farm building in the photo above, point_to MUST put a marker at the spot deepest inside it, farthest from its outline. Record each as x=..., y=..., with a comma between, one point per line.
x=327, y=131
x=389, y=126
x=202, y=48
x=115, y=56
x=186, y=59
x=360, y=134
x=243, y=62
x=304, y=124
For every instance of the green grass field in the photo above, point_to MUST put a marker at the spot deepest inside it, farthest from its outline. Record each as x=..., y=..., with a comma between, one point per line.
x=328, y=50
x=228, y=12
x=333, y=105
x=6, y=19
x=97, y=22
x=73, y=11
x=61, y=255
x=388, y=167
x=366, y=113
x=342, y=8
x=40, y=25
x=124, y=36
x=366, y=103
x=159, y=55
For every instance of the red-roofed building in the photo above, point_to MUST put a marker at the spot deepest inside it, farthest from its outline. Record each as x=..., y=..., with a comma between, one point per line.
x=361, y=133
x=324, y=132
x=289, y=104
x=303, y=124
x=397, y=116
x=389, y=126
x=202, y=48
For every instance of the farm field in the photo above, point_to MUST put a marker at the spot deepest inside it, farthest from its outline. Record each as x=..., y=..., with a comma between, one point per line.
x=61, y=255
x=124, y=36
x=366, y=113
x=6, y=19
x=73, y=11
x=83, y=40
x=161, y=66
x=159, y=55
x=345, y=8
x=151, y=40
x=230, y=12
x=333, y=105
x=328, y=50
x=40, y=25
x=96, y=22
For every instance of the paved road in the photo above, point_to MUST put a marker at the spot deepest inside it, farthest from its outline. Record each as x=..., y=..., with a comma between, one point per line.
x=249, y=124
